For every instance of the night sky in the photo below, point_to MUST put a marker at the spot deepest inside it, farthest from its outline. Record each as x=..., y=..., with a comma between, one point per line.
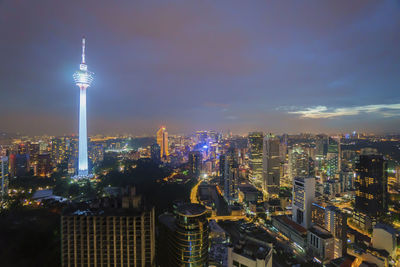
x=277, y=66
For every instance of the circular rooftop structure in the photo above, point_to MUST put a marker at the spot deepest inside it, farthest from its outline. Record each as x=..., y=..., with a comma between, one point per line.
x=190, y=209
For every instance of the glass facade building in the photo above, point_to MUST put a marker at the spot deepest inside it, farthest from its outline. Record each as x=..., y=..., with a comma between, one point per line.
x=184, y=237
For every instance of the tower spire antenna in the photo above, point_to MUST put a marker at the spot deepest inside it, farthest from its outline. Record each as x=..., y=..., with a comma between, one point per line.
x=83, y=49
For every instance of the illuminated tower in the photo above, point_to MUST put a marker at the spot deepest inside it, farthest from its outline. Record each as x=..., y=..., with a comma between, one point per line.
x=83, y=78
x=162, y=141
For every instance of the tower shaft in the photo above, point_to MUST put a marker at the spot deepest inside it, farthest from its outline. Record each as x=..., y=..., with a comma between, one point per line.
x=83, y=78
x=83, y=153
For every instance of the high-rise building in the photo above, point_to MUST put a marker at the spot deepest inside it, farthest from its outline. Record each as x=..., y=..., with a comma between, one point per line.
x=222, y=168
x=22, y=148
x=108, y=237
x=271, y=166
x=321, y=146
x=19, y=164
x=336, y=223
x=334, y=220
x=43, y=166
x=283, y=149
x=231, y=176
x=195, y=163
x=96, y=152
x=333, y=157
x=299, y=163
x=83, y=79
x=34, y=151
x=162, y=141
x=255, y=140
x=303, y=197
x=184, y=237
x=320, y=244
x=371, y=199
x=155, y=153
x=4, y=175
x=58, y=150
x=318, y=213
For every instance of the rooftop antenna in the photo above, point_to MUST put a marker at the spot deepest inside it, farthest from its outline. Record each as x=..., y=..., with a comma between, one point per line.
x=83, y=50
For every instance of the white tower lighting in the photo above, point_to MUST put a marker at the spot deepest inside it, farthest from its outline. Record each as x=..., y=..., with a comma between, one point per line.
x=83, y=78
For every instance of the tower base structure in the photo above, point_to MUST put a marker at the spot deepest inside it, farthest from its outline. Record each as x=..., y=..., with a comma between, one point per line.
x=82, y=176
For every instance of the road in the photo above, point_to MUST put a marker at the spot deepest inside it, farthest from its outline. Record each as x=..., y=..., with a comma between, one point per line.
x=193, y=193
x=285, y=244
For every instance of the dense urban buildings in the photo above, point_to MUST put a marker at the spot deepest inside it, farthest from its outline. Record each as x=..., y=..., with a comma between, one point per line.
x=313, y=212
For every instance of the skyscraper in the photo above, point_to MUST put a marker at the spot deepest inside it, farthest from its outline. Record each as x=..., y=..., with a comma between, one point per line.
x=303, y=197
x=333, y=156
x=371, y=189
x=83, y=78
x=162, y=141
x=19, y=164
x=256, y=156
x=271, y=166
x=195, y=162
x=231, y=176
x=3, y=174
x=299, y=164
x=184, y=237
x=155, y=153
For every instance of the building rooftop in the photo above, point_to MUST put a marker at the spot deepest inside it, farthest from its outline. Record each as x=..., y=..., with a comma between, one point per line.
x=292, y=224
x=251, y=250
x=321, y=232
x=168, y=220
x=102, y=212
x=107, y=206
x=248, y=188
x=387, y=228
x=214, y=227
x=189, y=209
x=345, y=261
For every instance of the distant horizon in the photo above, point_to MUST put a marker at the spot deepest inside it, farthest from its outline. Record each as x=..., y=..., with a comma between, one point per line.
x=192, y=133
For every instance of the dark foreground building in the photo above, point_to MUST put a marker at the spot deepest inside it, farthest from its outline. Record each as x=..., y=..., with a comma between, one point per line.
x=371, y=200
x=108, y=237
x=183, y=237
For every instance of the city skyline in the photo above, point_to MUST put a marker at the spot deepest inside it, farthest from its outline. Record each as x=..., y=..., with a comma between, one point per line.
x=214, y=133
x=322, y=68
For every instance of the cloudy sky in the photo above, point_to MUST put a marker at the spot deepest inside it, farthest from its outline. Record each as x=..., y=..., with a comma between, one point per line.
x=278, y=66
